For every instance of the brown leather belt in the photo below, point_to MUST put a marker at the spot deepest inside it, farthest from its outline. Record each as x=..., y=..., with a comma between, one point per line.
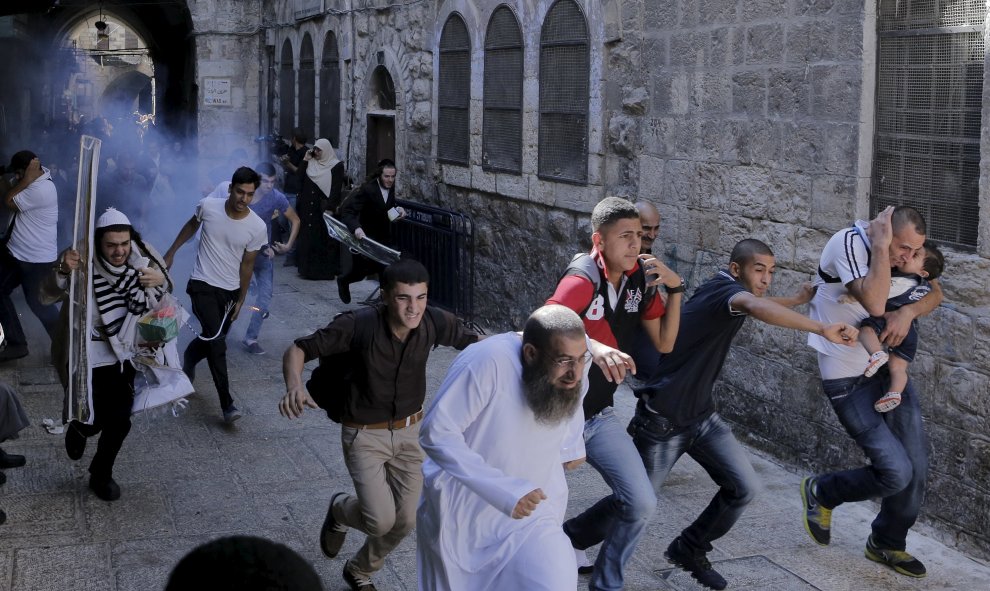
x=392, y=425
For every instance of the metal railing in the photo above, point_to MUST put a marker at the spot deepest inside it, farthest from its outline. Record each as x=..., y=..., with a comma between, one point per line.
x=443, y=241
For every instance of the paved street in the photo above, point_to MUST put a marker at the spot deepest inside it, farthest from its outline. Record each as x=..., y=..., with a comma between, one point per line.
x=189, y=479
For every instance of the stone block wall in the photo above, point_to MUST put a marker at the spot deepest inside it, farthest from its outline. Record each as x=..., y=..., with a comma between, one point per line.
x=229, y=41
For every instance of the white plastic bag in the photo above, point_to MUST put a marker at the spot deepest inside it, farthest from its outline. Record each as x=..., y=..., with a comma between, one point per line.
x=159, y=379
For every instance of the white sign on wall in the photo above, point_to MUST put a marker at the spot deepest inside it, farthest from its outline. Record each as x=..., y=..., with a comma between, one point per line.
x=216, y=92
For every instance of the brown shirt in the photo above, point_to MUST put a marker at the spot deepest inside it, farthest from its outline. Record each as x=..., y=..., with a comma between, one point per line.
x=392, y=382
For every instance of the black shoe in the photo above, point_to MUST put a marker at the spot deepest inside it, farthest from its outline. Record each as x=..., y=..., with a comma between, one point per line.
x=105, y=488
x=75, y=442
x=695, y=563
x=231, y=414
x=344, y=291
x=332, y=533
x=11, y=460
x=817, y=518
x=12, y=352
x=357, y=584
x=3, y=517
x=3, y=478
x=899, y=560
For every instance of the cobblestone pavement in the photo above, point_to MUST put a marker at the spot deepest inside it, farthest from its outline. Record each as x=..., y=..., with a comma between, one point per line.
x=189, y=479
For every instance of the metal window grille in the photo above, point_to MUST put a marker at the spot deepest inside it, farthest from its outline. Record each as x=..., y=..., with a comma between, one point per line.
x=454, y=108
x=928, y=117
x=501, y=143
x=330, y=91
x=286, y=91
x=564, y=94
x=307, y=87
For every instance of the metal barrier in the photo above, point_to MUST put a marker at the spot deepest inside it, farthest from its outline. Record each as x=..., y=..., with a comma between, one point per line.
x=443, y=241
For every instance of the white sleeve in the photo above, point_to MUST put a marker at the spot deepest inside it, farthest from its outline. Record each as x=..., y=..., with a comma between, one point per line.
x=465, y=393
x=849, y=257
x=572, y=447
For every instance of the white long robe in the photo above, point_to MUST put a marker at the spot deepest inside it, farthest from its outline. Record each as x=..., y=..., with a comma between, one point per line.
x=485, y=450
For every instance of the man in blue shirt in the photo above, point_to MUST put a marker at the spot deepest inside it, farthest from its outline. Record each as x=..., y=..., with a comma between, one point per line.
x=676, y=411
x=268, y=201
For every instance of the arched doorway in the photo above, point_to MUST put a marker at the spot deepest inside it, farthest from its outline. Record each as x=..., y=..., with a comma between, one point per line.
x=381, y=118
x=47, y=54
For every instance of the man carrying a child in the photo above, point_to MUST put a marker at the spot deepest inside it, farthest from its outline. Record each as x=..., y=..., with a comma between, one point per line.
x=857, y=262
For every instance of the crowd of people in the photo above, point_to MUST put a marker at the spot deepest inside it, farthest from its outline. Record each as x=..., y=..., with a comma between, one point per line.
x=516, y=410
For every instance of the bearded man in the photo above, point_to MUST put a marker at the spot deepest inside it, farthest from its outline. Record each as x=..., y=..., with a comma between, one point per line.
x=505, y=423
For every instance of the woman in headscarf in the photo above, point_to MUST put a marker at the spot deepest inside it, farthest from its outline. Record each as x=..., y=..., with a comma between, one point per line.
x=322, y=175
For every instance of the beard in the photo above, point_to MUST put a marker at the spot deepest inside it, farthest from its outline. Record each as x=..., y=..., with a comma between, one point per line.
x=551, y=405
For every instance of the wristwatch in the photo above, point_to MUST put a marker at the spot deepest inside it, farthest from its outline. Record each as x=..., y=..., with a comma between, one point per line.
x=679, y=289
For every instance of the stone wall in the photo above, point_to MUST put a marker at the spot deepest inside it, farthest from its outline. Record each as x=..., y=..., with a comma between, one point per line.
x=739, y=118
x=229, y=39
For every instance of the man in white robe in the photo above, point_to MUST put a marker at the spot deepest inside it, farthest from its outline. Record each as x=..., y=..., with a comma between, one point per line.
x=506, y=422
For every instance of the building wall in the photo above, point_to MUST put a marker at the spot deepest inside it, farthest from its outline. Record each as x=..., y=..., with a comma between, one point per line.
x=229, y=46
x=739, y=118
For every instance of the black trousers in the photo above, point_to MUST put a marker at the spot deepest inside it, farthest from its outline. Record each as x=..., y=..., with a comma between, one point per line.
x=209, y=305
x=361, y=268
x=113, y=397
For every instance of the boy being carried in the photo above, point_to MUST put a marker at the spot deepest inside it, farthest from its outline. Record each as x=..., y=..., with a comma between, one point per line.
x=911, y=284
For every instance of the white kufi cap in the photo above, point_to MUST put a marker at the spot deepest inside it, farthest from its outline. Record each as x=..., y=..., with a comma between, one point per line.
x=112, y=217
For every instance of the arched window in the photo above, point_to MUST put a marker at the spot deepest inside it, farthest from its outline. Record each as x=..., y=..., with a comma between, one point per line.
x=564, y=76
x=454, y=107
x=501, y=143
x=383, y=88
x=330, y=91
x=286, y=91
x=307, y=87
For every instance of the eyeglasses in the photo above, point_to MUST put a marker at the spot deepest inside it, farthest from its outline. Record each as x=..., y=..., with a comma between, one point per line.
x=571, y=362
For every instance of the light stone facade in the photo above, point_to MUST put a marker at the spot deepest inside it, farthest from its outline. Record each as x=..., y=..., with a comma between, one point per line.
x=739, y=118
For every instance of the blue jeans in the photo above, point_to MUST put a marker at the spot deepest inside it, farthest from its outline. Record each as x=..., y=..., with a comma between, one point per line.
x=618, y=520
x=29, y=276
x=263, y=278
x=896, y=444
x=711, y=443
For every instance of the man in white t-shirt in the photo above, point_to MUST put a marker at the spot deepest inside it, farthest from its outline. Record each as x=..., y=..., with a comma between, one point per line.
x=232, y=236
x=31, y=250
x=854, y=282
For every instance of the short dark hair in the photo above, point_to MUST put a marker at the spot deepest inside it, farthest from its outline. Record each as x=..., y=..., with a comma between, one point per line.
x=20, y=160
x=245, y=175
x=904, y=215
x=934, y=263
x=299, y=135
x=408, y=271
x=547, y=321
x=266, y=169
x=610, y=210
x=243, y=563
x=745, y=250
x=386, y=163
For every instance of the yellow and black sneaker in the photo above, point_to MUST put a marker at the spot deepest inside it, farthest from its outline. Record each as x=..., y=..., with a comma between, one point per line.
x=817, y=518
x=899, y=560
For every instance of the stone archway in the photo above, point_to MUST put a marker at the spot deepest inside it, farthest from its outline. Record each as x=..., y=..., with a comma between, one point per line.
x=381, y=118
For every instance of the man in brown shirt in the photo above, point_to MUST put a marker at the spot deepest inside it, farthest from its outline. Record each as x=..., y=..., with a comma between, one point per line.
x=381, y=413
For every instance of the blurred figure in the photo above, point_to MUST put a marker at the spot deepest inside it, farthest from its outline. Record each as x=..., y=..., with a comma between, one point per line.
x=30, y=250
x=13, y=419
x=243, y=563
